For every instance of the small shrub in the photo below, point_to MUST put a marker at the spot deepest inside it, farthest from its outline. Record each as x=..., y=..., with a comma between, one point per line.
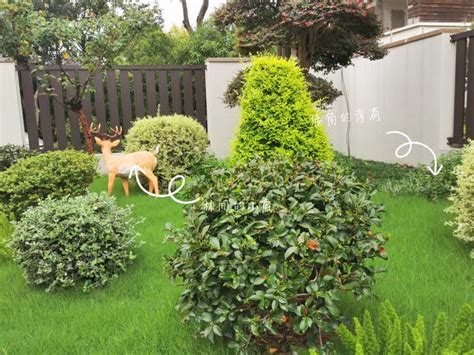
x=10, y=154
x=394, y=335
x=463, y=198
x=278, y=118
x=53, y=174
x=439, y=186
x=267, y=248
x=181, y=139
x=84, y=239
x=6, y=230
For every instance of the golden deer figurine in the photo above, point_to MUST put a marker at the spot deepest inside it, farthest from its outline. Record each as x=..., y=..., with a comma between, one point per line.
x=121, y=165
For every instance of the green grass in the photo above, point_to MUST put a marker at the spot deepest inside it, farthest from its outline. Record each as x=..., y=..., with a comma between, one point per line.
x=428, y=271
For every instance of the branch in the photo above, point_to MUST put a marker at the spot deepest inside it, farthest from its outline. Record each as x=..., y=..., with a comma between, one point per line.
x=186, y=23
x=202, y=12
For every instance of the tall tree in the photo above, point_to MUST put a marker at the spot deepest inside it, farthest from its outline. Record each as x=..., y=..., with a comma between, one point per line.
x=323, y=34
x=200, y=16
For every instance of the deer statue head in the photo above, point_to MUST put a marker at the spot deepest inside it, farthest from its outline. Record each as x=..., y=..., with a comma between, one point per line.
x=121, y=165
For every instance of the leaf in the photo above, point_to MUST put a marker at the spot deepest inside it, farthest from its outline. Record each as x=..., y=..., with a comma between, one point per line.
x=290, y=251
x=216, y=245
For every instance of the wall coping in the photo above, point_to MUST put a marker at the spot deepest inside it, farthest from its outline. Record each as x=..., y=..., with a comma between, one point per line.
x=228, y=60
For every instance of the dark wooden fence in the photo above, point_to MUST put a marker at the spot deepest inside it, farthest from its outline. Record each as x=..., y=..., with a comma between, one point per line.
x=121, y=95
x=463, y=127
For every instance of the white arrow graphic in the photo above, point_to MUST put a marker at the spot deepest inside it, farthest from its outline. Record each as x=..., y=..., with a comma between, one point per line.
x=134, y=171
x=435, y=170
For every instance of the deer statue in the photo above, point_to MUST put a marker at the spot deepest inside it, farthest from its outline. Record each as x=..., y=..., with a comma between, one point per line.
x=121, y=165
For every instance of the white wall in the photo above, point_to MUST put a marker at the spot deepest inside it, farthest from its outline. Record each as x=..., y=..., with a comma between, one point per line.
x=11, y=119
x=412, y=88
x=222, y=121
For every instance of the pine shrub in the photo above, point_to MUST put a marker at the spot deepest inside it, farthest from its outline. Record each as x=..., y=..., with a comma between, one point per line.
x=278, y=118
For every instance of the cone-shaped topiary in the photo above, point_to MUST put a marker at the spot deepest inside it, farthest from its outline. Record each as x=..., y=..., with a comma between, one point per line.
x=278, y=117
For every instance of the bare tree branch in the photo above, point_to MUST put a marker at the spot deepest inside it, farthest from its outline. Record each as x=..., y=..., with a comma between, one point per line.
x=186, y=23
x=202, y=12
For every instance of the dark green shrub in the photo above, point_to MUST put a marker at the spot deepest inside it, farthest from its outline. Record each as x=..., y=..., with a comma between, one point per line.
x=441, y=185
x=181, y=141
x=394, y=335
x=10, y=154
x=53, y=174
x=84, y=239
x=278, y=118
x=268, y=247
x=6, y=230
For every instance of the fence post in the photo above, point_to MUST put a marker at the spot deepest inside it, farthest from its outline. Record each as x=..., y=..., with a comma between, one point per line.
x=11, y=118
x=222, y=121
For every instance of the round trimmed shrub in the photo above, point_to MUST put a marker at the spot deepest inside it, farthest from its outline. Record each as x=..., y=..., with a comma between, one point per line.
x=181, y=141
x=463, y=198
x=6, y=230
x=10, y=154
x=84, y=239
x=278, y=118
x=52, y=174
x=265, y=252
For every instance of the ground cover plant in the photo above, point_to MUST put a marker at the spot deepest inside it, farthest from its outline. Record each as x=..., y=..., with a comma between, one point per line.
x=84, y=239
x=136, y=311
x=53, y=174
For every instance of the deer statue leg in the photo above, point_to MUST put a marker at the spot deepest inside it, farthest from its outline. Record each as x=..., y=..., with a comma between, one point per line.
x=152, y=179
x=111, y=182
x=125, y=185
x=150, y=186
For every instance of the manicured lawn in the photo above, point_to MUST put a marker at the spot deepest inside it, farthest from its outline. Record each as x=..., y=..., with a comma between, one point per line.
x=429, y=271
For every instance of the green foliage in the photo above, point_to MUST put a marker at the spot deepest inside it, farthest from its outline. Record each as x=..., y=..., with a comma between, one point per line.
x=462, y=198
x=6, y=230
x=321, y=91
x=264, y=253
x=84, y=239
x=278, y=118
x=10, y=154
x=54, y=174
x=179, y=47
x=397, y=336
x=181, y=140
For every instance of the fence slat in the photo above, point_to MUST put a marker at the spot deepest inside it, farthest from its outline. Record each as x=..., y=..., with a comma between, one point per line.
x=112, y=99
x=201, y=97
x=176, y=92
x=99, y=102
x=188, y=92
x=459, y=90
x=164, y=97
x=86, y=100
x=138, y=90
x=45, y=118
x=470, y=91
x=29, y=107
x=126, y=101
x=151, y=92
x=58, y=110
x=74, y=121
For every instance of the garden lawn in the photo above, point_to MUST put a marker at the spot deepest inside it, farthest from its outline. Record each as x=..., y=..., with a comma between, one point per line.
x=429, y=271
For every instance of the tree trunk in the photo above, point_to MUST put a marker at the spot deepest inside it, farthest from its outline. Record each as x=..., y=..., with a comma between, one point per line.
x=85, y=125
x=303, y=55
x=202, y=12
x=186, y=23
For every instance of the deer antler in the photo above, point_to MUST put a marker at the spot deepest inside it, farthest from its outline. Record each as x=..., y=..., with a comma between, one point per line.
x=95, y=130
x=116, y=133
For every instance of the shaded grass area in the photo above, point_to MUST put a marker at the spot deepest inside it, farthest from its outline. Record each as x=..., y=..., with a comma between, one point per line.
x=428, y=271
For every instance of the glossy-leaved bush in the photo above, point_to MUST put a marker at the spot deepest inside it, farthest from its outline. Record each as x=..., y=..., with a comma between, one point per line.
x=53, y=174
x=391, y=334
x=266, y=250
x=84, y=239
x=278, y=117
x=180, y=140
x=463, y=199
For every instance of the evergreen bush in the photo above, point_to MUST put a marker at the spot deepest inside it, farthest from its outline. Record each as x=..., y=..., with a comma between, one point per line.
x=278, y=118
x=10, y=154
